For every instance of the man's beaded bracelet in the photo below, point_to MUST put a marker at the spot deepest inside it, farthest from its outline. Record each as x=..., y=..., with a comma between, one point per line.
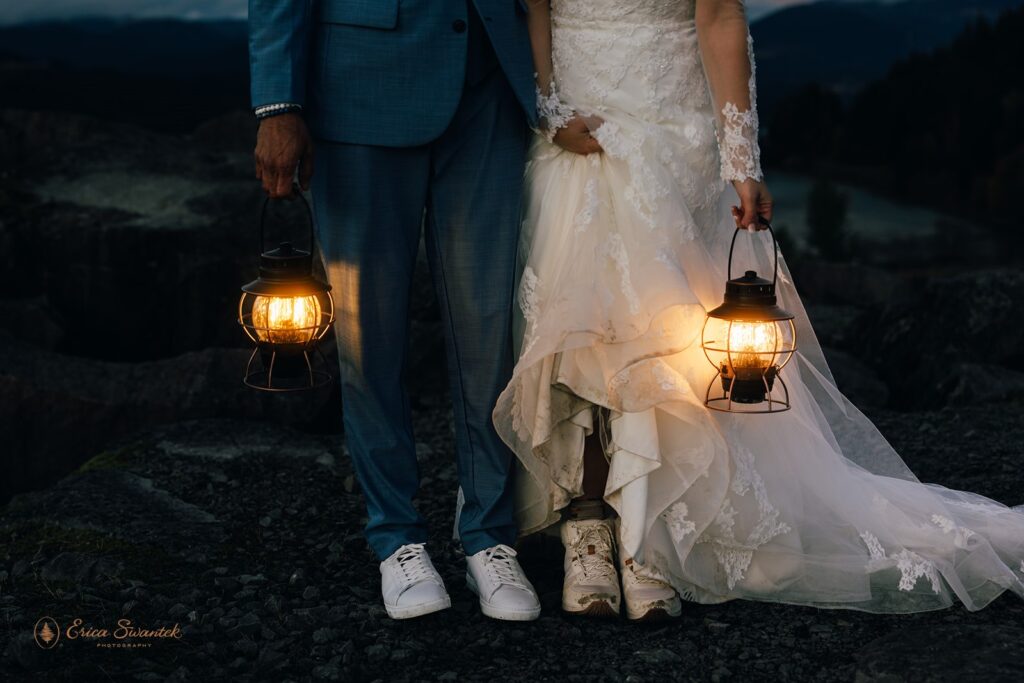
x=268, y=110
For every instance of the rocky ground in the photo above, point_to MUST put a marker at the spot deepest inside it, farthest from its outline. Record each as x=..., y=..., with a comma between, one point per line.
x=248, y=536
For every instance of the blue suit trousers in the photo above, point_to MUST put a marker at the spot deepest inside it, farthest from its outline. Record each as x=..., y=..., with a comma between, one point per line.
x=370, y=203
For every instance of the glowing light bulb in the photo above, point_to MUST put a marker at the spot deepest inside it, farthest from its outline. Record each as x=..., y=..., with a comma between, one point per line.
x=753, y=345
x=286, y=319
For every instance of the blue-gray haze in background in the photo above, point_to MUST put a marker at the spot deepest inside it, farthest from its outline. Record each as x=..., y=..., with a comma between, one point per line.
x=13, y=11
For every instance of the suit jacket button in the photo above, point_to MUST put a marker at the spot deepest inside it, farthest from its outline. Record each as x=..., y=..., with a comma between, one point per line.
x=459, y=26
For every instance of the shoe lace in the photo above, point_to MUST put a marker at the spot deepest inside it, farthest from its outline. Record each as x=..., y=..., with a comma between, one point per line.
x=596, y=565
x=412, y=560
x=503, y=568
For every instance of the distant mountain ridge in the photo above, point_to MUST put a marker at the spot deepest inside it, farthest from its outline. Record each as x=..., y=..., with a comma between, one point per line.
x=172, y=47
x=164, y=74
x=77, y=65
x=844, y=44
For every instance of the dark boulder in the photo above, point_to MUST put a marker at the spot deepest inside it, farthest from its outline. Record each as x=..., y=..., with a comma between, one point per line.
x=926, y=348
x=58, y=410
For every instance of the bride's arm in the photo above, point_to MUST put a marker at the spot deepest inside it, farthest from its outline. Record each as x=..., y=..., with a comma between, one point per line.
x=728, y=56
x=558, y=122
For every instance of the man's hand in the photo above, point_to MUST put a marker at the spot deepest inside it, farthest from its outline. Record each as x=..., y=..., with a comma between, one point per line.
x=575, y=137
x=755, y=200
x=282, y=145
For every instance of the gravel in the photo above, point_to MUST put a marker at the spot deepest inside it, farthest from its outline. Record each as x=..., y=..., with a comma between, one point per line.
x=258, y=555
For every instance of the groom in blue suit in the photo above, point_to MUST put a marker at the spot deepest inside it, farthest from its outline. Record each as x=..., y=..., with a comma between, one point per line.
x=401, y=114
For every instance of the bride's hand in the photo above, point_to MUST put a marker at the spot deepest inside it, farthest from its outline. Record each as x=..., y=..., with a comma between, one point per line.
x=755, y=200
x=575, y=137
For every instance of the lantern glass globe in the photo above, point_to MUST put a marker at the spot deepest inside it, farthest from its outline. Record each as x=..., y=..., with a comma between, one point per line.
x=748, y=347
x=286, y=319
x=752, y=345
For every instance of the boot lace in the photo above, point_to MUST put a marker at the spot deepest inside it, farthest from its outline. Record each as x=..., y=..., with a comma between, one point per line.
x=596, y=565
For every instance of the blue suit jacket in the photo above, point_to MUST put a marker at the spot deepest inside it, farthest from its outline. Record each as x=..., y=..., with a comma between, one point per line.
x=379, y=72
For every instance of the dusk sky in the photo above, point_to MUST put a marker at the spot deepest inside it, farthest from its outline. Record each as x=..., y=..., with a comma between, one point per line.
x=12, y=11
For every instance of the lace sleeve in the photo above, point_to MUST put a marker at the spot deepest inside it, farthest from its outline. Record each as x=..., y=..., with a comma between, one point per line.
x=727, y=51
x=737, y=141
x=552, y=113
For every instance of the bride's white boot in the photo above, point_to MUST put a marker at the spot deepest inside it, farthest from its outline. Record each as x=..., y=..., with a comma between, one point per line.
x=647, y=595
x=591, y=585
x=647, y=598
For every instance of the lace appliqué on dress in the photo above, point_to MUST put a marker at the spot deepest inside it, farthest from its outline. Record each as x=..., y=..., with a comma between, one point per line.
x=737, y=142
x=590, y=204
x=675, y=518
x=875, y=549
x=960, y=534
x=529, y=304
x=528, y=295
x=618, y=254
x=911, y=565
x=735, y=556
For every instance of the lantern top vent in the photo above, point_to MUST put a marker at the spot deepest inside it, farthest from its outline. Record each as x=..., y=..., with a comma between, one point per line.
x=285, y=263
x=286, y=271
x=751, y=298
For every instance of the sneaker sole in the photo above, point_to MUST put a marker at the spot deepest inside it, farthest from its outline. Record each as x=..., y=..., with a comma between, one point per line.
x=497, y=612
x=654, y=614
x=418, y=610
x=599, y=609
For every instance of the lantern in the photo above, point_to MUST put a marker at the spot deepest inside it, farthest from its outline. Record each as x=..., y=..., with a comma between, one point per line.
x=749, y=339
x=286, y=311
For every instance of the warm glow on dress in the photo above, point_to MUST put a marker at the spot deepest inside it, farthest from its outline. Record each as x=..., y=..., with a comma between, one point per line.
x=286, y=319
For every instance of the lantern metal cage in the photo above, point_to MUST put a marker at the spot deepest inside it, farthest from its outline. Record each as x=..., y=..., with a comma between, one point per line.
x=749, y=339
x=286, y=311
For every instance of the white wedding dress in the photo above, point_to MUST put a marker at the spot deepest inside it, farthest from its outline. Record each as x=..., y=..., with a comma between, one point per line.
x=624, y=251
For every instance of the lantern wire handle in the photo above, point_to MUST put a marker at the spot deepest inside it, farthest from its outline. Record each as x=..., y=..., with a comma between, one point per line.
x=296, y=192
x=775, y=248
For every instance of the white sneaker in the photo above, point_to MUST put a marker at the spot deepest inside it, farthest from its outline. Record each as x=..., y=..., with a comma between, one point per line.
x=591, y=585
x=410, y=585
x=648, y=597
x=494, y=574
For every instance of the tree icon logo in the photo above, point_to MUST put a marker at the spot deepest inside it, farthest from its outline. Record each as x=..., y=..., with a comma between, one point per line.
x=46, y=632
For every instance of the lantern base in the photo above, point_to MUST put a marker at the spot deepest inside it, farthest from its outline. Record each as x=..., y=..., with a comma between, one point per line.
x=741, y=395
x=754, y=388
x=276, y=371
